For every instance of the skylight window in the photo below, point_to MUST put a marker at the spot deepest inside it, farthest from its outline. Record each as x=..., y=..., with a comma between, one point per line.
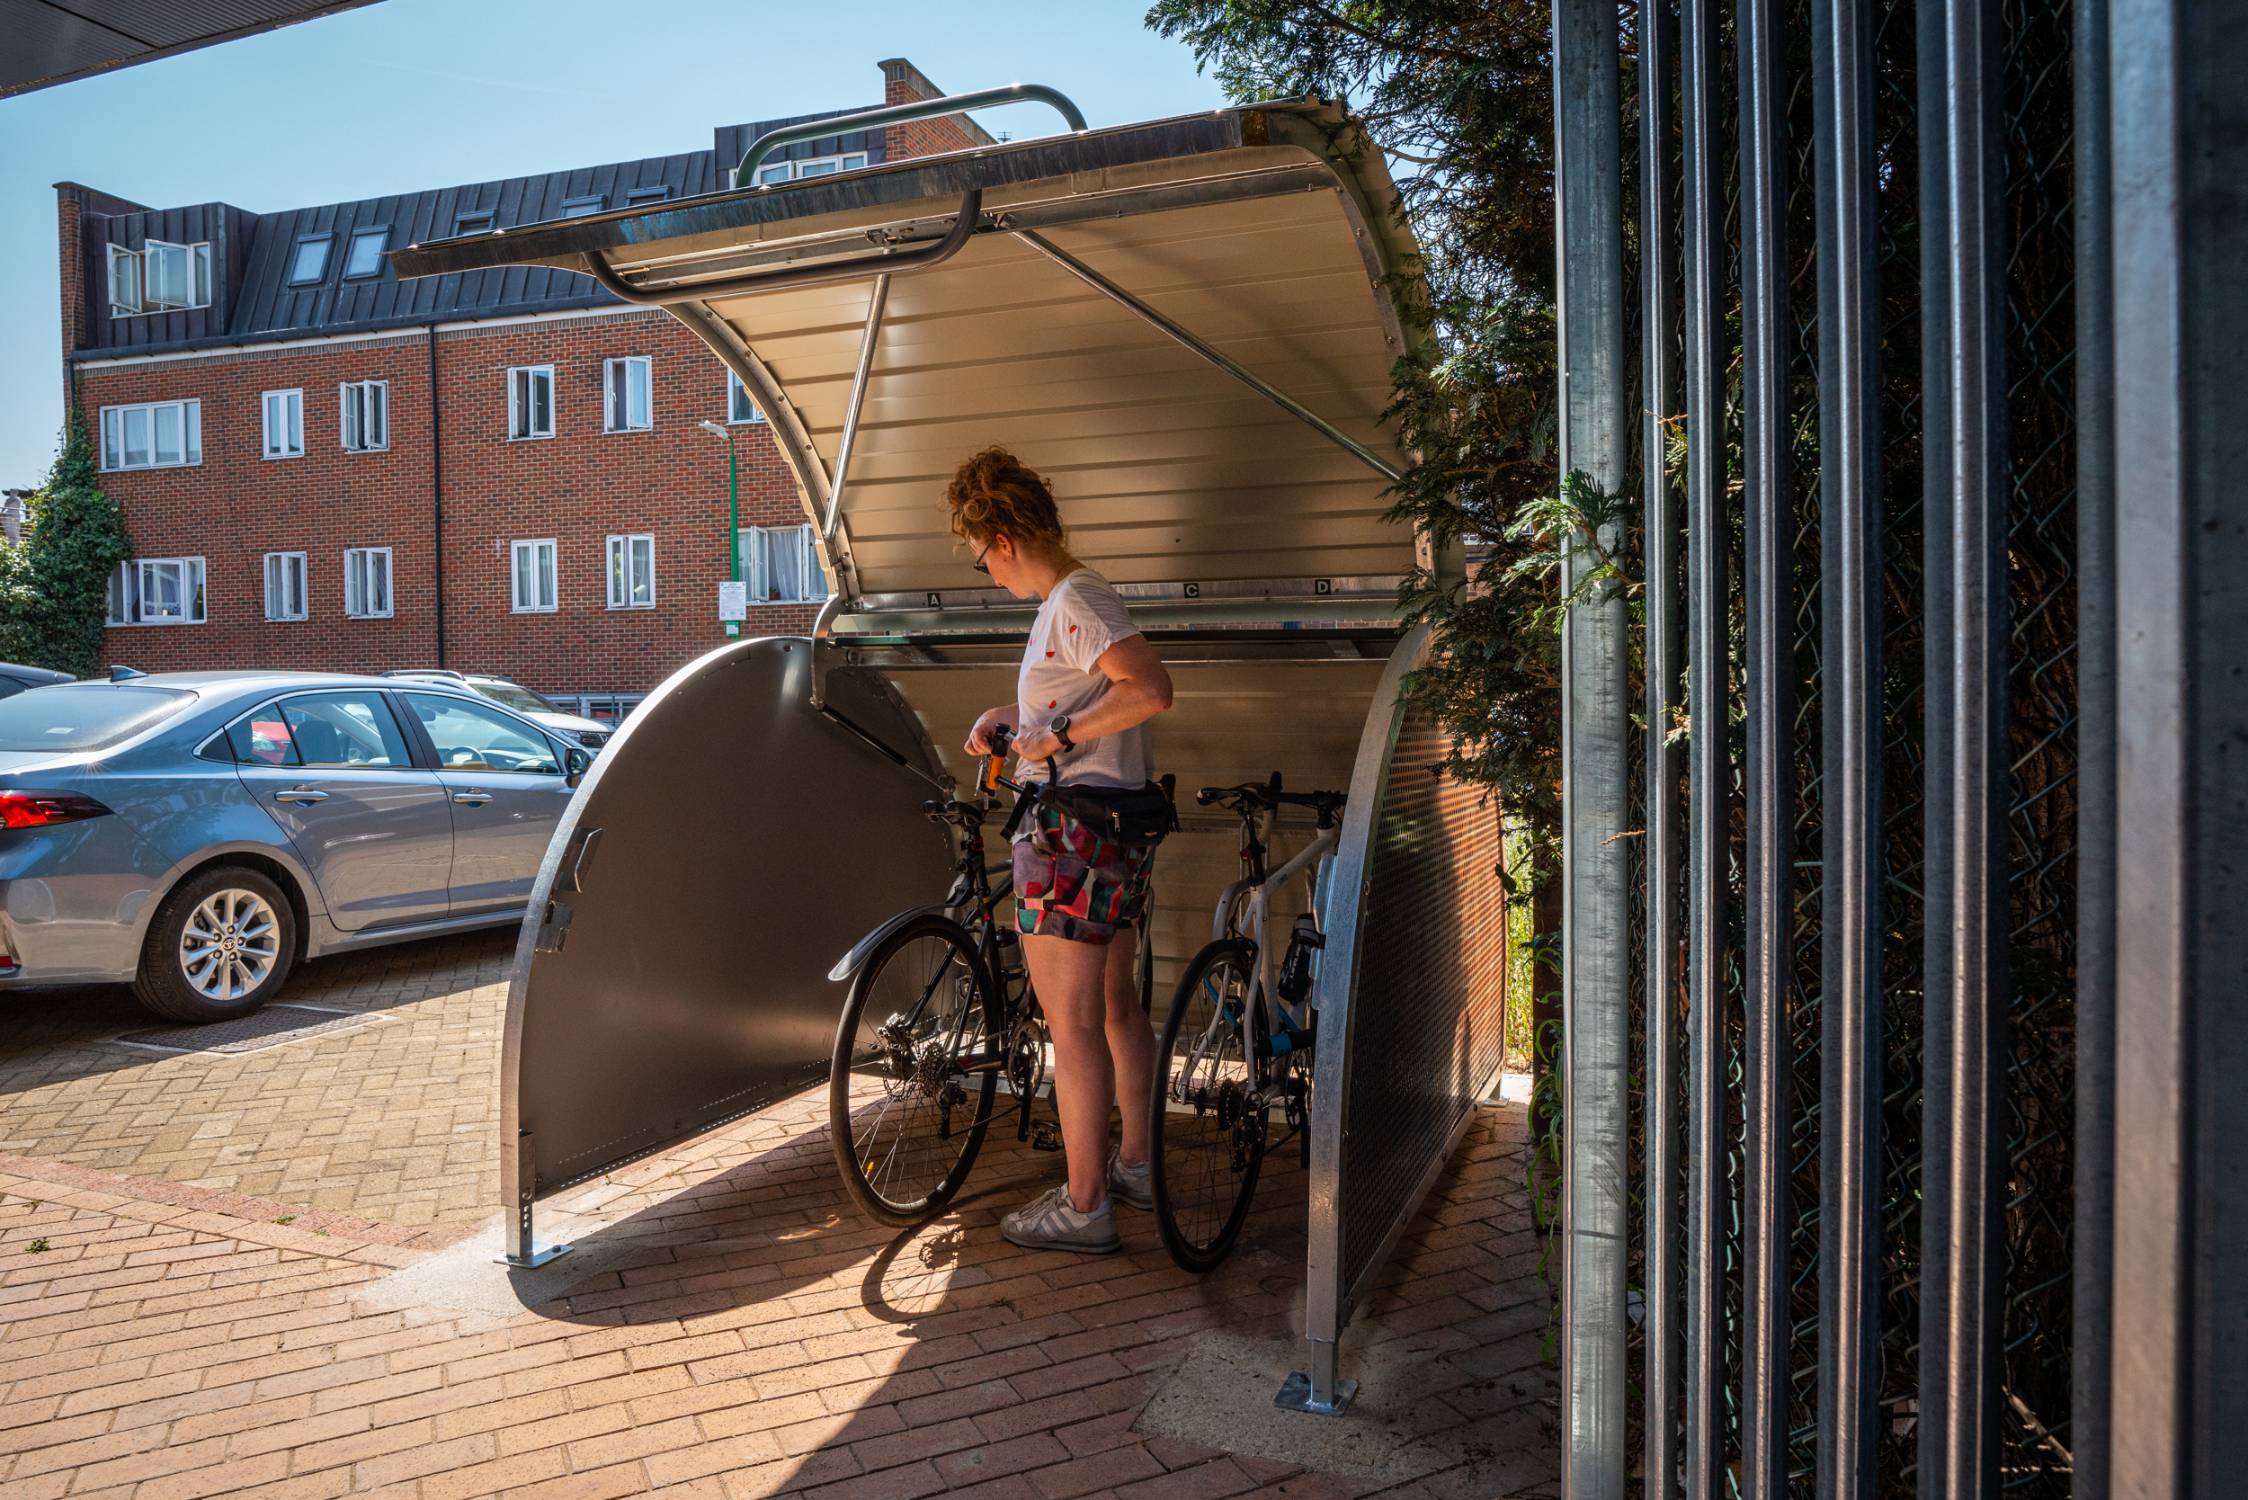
x=592, y=203
x=652, y=194
x=475, y=221
x=310, y=263
x=367, y=246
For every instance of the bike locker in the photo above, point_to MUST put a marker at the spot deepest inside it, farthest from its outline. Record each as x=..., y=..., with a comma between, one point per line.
x=1189, y=326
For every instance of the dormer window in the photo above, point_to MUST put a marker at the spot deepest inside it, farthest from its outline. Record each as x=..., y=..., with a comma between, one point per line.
x=810, y=166
x=310, y=263
x=591, y=204
x=475, y=221
x=161, y=277
x=641, y=196
x=365, y=257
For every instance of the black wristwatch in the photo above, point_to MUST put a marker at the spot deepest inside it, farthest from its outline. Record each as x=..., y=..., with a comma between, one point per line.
x=1059, y=729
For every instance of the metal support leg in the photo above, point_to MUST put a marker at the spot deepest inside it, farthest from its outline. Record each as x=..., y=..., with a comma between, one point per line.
x=1317, y=1391
x=520, y=1253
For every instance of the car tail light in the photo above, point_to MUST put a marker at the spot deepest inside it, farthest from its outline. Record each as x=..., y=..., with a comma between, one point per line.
x=45, y=809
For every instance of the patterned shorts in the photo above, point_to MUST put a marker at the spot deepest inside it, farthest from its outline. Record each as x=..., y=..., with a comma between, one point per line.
x=1071, y=883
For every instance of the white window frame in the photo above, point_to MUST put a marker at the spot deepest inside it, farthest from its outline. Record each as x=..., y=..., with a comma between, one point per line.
x=518, y=430
x=374, y=395
x=128, y=592
x=545, y=579
x=116, y=419
x=294, y=570
x=774, y=172
x=757, y=571
x=624, y=558
x=610, y=417
x=130, y=261
x=198, y=257
x=356, y=560
x=292, y=405
x=734, y=387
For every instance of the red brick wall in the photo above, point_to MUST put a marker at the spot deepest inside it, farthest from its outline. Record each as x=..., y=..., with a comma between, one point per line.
x=72, y=262
x=903, y=83
x=578, y=487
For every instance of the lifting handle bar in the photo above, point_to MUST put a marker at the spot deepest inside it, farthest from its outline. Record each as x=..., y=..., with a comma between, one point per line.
x=935, y=252
x=898, y=114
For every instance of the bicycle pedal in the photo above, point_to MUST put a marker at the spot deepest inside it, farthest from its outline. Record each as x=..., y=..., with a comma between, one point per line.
x=1044, y=1137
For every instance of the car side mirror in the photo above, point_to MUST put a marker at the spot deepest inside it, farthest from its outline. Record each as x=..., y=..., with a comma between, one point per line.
x=575, y=763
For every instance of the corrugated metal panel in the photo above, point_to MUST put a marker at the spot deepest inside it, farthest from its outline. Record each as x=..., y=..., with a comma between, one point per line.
x=48, y=43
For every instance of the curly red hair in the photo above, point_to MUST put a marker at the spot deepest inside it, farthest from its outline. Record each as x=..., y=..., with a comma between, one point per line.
x=996, y=494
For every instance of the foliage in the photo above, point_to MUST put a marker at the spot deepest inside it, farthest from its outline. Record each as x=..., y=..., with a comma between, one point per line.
x=54, y=586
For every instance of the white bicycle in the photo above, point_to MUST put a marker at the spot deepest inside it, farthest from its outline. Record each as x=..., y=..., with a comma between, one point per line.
x=1239, y=1038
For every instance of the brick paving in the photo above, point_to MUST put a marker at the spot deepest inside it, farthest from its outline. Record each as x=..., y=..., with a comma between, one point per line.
x=742, y=1332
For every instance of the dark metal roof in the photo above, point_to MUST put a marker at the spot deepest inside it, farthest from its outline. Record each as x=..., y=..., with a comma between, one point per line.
x=254, y=298
x=46, y=42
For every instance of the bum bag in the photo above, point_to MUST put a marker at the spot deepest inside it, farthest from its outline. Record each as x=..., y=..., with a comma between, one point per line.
x=1120, y=814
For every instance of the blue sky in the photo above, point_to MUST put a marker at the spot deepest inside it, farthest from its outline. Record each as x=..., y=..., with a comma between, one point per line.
x=410, y=94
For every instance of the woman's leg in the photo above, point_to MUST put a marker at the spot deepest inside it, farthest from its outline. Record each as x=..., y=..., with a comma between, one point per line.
x=1131, y=1044
x=1067, y=976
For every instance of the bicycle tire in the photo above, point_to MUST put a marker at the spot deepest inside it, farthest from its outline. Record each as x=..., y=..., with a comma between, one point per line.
x=937, y=1166
x=1197, y=1222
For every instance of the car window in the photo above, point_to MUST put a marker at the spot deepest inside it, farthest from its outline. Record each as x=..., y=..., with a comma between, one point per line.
x=10, y=686
x=345, y=730
x=83, y=716
x=471, y=737
x=521, y=699
x=261, y=738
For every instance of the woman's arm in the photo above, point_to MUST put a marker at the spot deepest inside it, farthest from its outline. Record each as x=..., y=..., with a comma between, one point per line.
x=1138, y=689
x=979, y=742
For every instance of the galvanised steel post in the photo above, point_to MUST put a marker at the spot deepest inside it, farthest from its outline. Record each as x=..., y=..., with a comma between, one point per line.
x=1709, y=776
x=1966, y=985
x=1768, y=510
x=2092, y=1236
x=1850, y=1073
x=1658, y=268
x=2178, y=117
x=1595, y=721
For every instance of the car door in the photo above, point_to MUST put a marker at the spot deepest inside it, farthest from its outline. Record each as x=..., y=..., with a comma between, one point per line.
x=336, y=771
x=508, y=786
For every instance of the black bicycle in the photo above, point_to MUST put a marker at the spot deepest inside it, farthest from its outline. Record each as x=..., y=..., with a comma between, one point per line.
x=941, y=1009
x=1239, y=1040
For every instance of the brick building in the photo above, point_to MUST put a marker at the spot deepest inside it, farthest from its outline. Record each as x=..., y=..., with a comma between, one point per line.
x=322, y=466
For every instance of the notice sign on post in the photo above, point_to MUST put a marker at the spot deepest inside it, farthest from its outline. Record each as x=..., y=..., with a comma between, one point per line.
x=733, y=599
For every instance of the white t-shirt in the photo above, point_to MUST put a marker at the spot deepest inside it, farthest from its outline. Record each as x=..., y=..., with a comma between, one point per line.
x=1080, y=619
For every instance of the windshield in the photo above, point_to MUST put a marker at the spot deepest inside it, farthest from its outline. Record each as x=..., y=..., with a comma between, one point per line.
x=82, y=716
x=521, y=699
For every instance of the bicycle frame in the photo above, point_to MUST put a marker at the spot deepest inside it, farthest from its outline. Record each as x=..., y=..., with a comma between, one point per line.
x=1244, y=910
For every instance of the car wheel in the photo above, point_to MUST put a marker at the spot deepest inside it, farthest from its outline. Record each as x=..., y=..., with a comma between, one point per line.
x=221, y=946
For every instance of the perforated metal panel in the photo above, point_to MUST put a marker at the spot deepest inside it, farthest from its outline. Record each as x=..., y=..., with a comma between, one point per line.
x=1430, y=1009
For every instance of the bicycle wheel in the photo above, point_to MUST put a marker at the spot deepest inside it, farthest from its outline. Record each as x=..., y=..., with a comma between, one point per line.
x=1208, y=1136
x=905, y=1120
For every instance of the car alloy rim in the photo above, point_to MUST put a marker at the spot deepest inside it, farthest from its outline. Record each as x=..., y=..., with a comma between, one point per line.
x=230, y=944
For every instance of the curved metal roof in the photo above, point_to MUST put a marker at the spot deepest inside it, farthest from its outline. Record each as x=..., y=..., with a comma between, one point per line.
x=1264, y=233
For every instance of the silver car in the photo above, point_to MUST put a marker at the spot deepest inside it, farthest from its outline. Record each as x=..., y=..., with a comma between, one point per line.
x=195, y=834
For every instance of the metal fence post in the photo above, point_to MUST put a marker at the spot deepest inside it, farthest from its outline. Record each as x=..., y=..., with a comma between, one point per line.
x=1768, y=512
x=1709, y=794
x=1850, y=1072
x=1964, y=409
x=2178, y=121
x=1658, y=265
x=1596, y=922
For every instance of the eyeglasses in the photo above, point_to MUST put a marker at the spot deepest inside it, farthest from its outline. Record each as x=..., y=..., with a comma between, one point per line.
x=980, y=565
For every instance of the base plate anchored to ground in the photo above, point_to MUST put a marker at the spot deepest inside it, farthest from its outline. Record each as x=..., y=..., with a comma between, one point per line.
x=534, y=1260
x=1295, y=1395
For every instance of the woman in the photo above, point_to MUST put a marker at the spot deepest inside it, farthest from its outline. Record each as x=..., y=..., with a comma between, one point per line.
x=1088, y=685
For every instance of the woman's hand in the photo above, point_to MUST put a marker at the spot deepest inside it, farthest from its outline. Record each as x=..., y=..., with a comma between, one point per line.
x=1037, y=744
x=979, y=738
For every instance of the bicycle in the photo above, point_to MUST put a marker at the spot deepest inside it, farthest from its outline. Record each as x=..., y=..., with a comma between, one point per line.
x=911, y=1094
x=1240, y=1036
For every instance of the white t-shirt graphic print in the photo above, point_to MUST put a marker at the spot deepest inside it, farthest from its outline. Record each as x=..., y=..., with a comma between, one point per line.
x=1079, y=620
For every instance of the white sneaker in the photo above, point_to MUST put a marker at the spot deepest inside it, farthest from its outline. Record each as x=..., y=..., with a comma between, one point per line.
x=1133, y=1184
x=1051, y=1222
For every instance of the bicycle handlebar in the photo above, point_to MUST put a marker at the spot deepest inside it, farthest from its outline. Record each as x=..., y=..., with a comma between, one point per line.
x=1251, y=796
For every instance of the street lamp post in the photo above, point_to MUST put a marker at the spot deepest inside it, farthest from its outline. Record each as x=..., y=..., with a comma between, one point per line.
x=733, y=513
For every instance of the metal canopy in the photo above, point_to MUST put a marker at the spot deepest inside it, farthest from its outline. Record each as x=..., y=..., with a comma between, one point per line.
x=1188, y=326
